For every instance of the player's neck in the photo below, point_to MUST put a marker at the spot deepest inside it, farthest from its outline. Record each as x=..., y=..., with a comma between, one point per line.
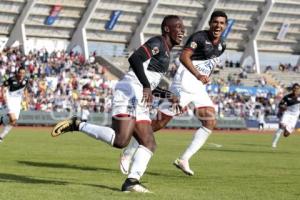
x=213, y=39
x=168, y=42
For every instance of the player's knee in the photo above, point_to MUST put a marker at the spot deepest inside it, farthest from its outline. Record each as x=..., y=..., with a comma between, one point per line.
x=209, y=124
x=121, y=141
x=149, y=143
x=286, y=134
x=120, y=144
x=13, y=122
x=158, y=125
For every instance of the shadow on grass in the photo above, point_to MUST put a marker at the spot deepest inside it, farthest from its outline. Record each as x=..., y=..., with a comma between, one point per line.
x=102, y=186
x=27, y=179
x=254, y=145
x=31, y=180
x=64, y=166
x=246, y=151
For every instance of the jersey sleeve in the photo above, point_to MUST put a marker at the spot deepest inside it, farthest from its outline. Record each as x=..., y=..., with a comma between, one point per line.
x=6, y=83
x=153, y=46
x=283, y=102
x=145, y=52
x=194, y=42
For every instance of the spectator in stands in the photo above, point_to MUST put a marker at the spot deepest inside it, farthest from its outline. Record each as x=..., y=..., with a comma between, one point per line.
x=268, y=68
x=296, y=68
x=281, y=67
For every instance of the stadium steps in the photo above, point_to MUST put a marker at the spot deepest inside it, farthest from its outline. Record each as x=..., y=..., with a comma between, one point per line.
x=113, y=68
x=270, y=79
x=251, y=80
x=285, y=78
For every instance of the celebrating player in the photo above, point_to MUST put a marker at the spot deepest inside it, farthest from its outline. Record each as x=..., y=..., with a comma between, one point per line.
x=13, y=90
x=132, y=97
x=199, y=57
x=289, y=109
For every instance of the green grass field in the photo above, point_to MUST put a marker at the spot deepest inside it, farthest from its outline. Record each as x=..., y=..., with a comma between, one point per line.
x=35, y=166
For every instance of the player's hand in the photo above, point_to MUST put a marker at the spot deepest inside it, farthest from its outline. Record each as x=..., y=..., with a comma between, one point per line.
x=147, y=97
x=175, y=104
x=204, y=79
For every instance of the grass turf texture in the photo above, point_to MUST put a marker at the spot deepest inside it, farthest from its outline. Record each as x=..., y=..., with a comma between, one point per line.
x=34, y=166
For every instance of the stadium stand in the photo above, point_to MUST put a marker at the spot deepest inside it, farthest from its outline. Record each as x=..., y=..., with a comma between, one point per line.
x=80, y=23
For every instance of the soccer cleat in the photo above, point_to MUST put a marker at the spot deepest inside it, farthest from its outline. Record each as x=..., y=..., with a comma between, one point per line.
x=133, y=185
x=1, y=140
x=125, y=162
x=184, y=166
x=274, y=146
x=65, y=126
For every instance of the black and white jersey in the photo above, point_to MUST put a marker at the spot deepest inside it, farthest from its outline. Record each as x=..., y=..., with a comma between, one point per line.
x=206, y=55
x=292, y=103
x=156, y=54
x=15, y=87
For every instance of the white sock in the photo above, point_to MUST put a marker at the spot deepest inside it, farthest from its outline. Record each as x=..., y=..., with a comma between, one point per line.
x=5, y=120
x=140, y=162
x=198, y=141
x=276, y=136
x=131, y=148
x=5, y=131
x=102, y=133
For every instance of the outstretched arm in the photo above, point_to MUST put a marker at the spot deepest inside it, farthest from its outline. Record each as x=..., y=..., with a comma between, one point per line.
x=185, y=59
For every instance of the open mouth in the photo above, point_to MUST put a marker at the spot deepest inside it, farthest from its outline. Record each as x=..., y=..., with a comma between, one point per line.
x=217, y=31
x=180, y=37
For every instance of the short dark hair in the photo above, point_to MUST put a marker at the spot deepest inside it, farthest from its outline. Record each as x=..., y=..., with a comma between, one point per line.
x=166, y=19
x=21, y=68
x=218, y=13
x=295, y=85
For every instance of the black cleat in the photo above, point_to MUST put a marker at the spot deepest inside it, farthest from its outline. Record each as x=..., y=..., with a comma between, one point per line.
x=66, y=126
x=133, y=185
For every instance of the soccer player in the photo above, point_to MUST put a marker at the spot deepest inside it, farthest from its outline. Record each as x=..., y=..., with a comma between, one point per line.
x=199, y=57
x=132, y=97
x=14, y=88
x=289, y=109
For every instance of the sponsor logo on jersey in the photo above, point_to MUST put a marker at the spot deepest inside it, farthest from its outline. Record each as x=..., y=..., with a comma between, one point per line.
x=155, y=50
x=193, y=45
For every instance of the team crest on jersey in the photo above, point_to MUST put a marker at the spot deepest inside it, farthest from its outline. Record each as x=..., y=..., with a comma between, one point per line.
x=155, y=50
x=220, y=48
x=193, y=45
x=24, y=82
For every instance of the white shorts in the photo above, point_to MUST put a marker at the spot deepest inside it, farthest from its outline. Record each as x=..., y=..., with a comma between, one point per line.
x=13, y=106
x=289, y=120
x=199, y=98
x=127, y=100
